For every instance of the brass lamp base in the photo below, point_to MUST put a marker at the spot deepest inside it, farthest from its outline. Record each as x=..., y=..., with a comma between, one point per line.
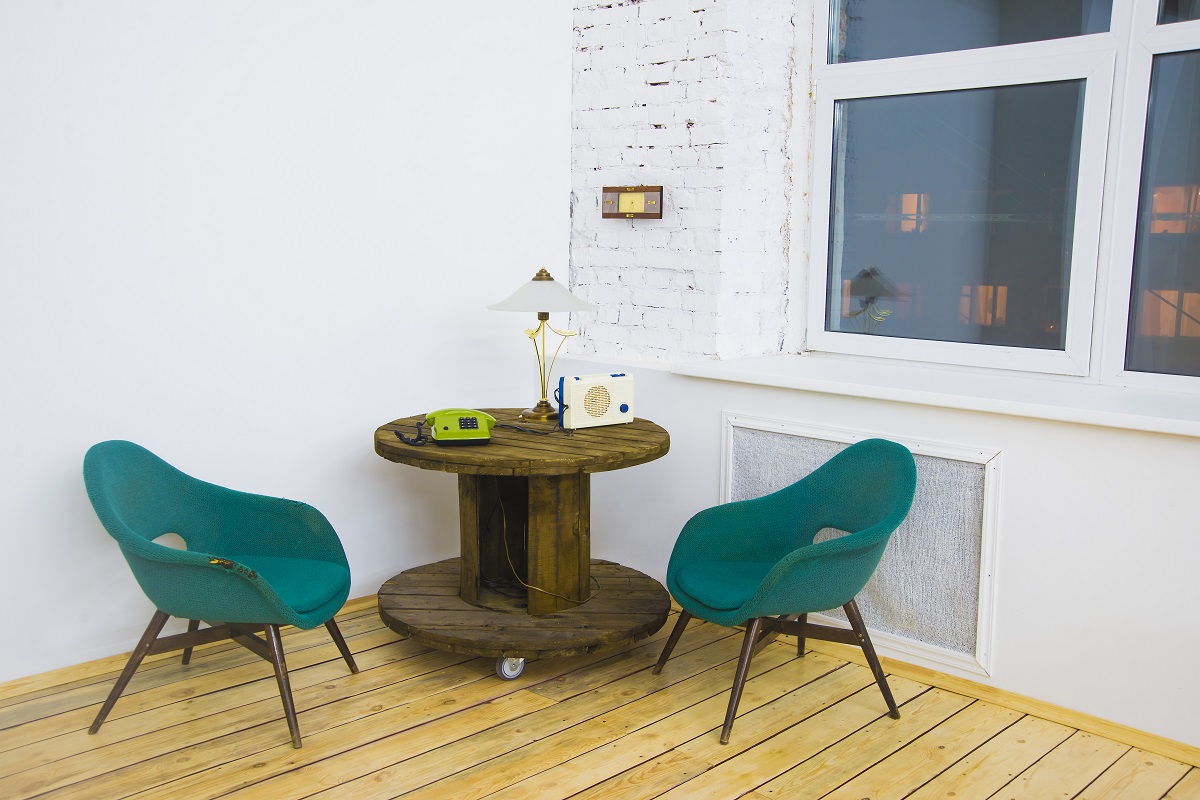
x=542, y=412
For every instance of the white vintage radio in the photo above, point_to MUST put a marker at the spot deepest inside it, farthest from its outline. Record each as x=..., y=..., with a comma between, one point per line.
x=586, y=401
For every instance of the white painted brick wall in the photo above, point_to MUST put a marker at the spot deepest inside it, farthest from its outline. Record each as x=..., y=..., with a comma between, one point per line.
x=693, y=95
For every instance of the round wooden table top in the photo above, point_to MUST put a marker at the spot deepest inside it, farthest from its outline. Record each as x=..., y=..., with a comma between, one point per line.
x=552, y=451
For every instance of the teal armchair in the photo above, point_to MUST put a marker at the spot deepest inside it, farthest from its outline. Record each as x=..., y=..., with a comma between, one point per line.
x=755, y=563
x=251, y=564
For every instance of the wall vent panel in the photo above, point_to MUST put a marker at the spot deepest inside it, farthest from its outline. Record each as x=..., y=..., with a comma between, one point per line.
x=929, y=601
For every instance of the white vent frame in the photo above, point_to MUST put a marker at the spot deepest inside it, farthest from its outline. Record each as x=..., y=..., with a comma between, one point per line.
x=890, y=645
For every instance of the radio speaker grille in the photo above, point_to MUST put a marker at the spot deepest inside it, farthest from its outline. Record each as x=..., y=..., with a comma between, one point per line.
x=596, y=401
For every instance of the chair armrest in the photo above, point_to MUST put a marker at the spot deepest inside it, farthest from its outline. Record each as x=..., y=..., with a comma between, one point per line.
x=820, y=576
x=255, y=524
x=759, y=529
x=194, y=585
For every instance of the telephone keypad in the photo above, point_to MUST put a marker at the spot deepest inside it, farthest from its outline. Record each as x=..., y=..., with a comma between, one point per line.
x=468, y=423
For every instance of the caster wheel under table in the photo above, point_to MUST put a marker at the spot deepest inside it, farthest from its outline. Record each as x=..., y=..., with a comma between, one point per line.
x=509, y=668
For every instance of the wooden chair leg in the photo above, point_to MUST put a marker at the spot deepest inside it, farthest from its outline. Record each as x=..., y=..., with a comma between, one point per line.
x=275, y=647
x=193, y=626
x=864, y=641
x=672, y=640
x=135, y=659
x=803, y=620
x=769, y=631
x=336, y=634
x=739, y=678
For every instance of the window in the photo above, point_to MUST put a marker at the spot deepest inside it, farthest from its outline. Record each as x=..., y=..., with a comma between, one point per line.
x=1178, y=11
x=1164, y=315
x=875, y=29
x=953, y=207
x=981, y=181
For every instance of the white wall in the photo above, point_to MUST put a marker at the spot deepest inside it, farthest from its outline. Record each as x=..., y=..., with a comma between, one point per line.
x=1097, y=548
x=245, y=235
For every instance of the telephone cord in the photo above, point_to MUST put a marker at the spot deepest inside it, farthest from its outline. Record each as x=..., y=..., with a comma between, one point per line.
x=421, y=439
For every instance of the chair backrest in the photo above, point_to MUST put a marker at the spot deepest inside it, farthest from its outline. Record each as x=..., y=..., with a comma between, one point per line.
x=139, y=497
x=868, y=486
x=865, y=490
x=127, y=485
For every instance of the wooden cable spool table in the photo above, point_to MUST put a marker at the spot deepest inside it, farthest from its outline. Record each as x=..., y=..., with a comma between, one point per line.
x=525, y=584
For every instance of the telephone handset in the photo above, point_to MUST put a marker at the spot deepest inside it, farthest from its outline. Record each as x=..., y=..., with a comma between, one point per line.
x=459, y=426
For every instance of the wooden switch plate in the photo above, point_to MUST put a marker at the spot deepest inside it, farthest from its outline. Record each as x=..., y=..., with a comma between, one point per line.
x=631, y=202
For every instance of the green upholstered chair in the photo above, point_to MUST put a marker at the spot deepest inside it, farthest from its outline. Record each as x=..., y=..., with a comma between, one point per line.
x=754, y=562
x=251, y=563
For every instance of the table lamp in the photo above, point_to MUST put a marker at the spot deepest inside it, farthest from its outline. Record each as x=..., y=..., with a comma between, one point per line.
x=542, y=295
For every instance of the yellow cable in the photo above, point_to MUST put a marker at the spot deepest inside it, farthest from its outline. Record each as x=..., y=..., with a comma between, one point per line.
x=508, y=557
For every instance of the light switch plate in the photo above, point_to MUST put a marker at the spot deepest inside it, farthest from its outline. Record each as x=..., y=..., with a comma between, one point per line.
x=631, y=202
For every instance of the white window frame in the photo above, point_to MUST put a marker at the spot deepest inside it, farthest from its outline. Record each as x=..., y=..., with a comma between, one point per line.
x=1101, y=270
x=1146, y=40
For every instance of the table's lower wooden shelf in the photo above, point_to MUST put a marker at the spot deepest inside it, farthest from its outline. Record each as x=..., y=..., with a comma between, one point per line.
x=423, y=603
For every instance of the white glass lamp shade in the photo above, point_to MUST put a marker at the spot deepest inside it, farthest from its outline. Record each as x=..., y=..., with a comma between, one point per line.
x=542, y=293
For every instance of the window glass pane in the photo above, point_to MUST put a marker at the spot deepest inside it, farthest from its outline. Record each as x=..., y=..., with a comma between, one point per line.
x=1178, y=10
x=868, y=29
x=952, y=213
x=1164, y=314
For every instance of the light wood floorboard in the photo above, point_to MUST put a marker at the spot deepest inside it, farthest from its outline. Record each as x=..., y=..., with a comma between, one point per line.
x=421, y=723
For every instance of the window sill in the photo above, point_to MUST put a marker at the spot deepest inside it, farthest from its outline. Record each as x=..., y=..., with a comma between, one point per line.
x=1036, y=397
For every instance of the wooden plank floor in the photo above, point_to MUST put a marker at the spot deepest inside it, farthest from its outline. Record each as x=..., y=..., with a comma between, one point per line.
x=420, y=723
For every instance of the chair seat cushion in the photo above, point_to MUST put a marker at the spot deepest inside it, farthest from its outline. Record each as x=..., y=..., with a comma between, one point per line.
x=723, y=585
x=302, y=584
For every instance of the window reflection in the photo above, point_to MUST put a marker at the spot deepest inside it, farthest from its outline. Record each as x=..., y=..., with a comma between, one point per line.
x=984, y=305
x=952, y=215
x=863, y=30
x=1167, y=312
x=862, y=296
x=1175, y=209
x=1178, y=11
x=1164, y=316
x=912, y=213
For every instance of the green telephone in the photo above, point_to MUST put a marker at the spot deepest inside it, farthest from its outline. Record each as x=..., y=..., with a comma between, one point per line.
x=457, y=426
